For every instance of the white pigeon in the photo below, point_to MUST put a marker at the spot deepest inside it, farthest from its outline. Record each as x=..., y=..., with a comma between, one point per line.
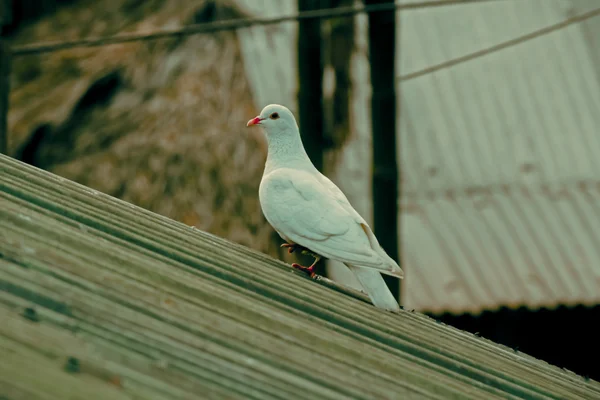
x=313, y=215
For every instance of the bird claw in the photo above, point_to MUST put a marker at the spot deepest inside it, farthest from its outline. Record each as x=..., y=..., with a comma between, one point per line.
x=291, y=247
x=309, y=270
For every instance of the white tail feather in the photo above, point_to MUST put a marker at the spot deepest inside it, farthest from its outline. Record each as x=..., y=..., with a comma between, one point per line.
x=393, y=269
x=373, y=283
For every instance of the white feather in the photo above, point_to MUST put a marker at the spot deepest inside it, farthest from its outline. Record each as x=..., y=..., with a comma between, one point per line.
x=376, y=288
x=295, y=204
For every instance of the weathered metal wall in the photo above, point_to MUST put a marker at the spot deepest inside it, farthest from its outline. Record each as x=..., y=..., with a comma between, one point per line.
x=499, y=160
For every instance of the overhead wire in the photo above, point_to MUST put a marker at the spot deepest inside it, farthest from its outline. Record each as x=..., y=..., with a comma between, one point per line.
x=230, y=25
x=500, y=46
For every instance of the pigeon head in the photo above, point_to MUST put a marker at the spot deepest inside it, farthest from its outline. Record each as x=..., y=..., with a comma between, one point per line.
x=274, y=118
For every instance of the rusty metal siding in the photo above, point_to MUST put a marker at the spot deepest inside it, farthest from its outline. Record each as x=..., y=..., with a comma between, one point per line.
x=501, y=178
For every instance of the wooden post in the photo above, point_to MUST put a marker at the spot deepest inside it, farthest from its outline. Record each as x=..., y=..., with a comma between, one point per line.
x=5, y=19
x=310, y=85
x=339, y=52
x=382, y=46
x=6, y=14
x=4, y=91
x=310, y=88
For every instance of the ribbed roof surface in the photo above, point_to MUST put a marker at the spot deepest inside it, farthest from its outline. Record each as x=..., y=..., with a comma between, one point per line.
x=100, y=299
x=500, y=160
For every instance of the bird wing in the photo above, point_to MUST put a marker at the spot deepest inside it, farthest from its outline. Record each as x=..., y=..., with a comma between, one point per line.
x=392, y=267
x=296, y=204
x=339, y=196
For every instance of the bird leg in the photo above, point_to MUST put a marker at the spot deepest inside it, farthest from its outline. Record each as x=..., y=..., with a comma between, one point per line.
x=292, y=247
x=309, y=270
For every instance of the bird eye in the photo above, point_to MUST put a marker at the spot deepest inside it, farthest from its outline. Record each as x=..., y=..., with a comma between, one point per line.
x=274, y=116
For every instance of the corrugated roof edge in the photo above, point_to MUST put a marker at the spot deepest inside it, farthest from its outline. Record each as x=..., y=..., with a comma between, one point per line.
x=129, y=291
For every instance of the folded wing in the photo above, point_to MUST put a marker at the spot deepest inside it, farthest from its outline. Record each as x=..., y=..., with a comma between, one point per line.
x=299, y=206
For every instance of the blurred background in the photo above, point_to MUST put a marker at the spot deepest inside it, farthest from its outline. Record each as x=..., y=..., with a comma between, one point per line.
x=466, y=132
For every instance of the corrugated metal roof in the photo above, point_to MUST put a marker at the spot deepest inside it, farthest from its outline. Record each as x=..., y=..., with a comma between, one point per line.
x=109, y=301
x=500, y=169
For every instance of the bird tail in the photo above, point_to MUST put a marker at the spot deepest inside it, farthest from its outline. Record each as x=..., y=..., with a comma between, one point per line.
x=392, y=267
x=373, y=283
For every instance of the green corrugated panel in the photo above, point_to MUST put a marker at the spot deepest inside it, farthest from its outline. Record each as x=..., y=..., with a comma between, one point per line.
x=102, y=299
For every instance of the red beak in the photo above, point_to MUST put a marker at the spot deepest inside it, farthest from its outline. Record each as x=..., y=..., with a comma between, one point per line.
x=254, y=121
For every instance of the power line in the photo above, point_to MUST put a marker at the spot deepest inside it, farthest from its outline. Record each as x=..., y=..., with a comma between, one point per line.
x=509, y=43
x=37, y=48
x=219, y=26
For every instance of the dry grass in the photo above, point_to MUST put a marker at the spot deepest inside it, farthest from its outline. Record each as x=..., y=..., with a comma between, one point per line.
x=167, y=132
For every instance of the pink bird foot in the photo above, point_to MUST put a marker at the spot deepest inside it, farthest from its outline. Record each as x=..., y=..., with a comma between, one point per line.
x=292, y=247
x=309, y=270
